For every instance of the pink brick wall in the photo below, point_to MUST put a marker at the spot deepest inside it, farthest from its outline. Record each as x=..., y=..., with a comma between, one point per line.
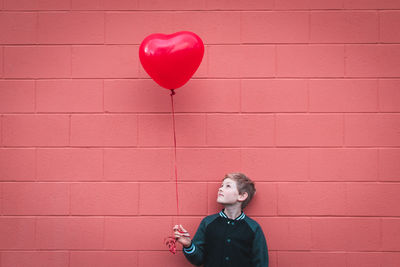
x=301, y=95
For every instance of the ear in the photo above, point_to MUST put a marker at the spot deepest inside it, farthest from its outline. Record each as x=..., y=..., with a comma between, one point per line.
x=243, y=197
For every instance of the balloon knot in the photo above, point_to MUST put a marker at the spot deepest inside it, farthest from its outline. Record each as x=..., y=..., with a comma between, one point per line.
x=172, y=92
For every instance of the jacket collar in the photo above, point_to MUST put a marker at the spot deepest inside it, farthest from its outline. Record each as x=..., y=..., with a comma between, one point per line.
x=240, y=217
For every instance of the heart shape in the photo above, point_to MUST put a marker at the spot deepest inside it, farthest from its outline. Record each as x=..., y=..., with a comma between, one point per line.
x=171, y=60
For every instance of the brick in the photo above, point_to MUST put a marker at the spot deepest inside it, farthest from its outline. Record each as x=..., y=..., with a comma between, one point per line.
x=369, y=199
x=288, y=233
x=372, y=129
x=309, y=130
x=212, y=190
x=104, y=130
x=103, y=258
x=272, y=258
x=275, y=164
x=389, y=95
x=209, y=96
x=308, y=4
x=160, y=199
x=274, y=96
x=35, y=258
x=364, y=259
x=35, y=130
x=389, y=22
x=343, y=164
x=135, y=96
x=240, y=130
x=307, y=259
x=339, y=95
x=362, y=61
x=310, y=61
x=311, y=199
x=102, y=61
x=69, y=96
x=104, y=4
x=226, y=27
x=153, y=258
x=390, y=259
x=1, y=61
x=372, y=60
x=264, y=202
x=136, y=233
x=17, y=96
x=172, y=5
x=274, y=27
x=241, y=61
x=35, y=199
x=70, y=233
x=36, y=4
x=69, y=164
x=1, y=130
x=17, y=164
x=147, y=96
x=347, y=234
x=70, y=28
x=17, y=233
x=344, y=27
x=192, y=162
x=390, y=234
x=138, y=164
x=371, y=4
x=37, y=62
x=117, y=32
x=17, y=28
x=389, y=168
x=239, y=5
x=157, y=130
x=104, y=198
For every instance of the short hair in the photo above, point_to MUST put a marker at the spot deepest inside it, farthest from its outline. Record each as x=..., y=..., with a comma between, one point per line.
x=244, y=184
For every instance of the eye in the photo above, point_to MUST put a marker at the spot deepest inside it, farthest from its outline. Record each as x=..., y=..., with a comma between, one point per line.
x=228, y=185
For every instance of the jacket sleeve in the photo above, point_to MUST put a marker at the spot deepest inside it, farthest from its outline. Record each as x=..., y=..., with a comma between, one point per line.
x=260, y=249
x=195, y=253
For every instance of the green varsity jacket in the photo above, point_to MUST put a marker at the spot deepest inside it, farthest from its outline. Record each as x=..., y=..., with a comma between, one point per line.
x=220, y=241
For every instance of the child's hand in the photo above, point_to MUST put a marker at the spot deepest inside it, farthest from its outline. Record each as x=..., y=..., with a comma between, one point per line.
x=182, y=236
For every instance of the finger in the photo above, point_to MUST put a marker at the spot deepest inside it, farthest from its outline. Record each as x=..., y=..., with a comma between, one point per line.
x=181, y=229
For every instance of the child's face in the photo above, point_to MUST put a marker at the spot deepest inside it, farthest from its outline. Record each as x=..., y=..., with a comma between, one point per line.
x=228, y=193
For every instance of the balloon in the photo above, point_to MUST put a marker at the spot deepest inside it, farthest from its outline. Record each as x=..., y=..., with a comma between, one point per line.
x=171, y=60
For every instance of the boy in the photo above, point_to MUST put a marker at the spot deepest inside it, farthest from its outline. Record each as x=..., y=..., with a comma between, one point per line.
x=228, y=238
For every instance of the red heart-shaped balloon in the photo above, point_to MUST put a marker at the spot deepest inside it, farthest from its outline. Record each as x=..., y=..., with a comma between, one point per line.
x=171, y=60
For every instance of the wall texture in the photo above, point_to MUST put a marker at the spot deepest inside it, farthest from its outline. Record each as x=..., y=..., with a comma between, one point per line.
x=303, y=96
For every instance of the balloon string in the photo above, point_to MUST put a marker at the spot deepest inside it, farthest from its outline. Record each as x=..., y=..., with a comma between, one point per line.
x=176, y=169
x=170, y=242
